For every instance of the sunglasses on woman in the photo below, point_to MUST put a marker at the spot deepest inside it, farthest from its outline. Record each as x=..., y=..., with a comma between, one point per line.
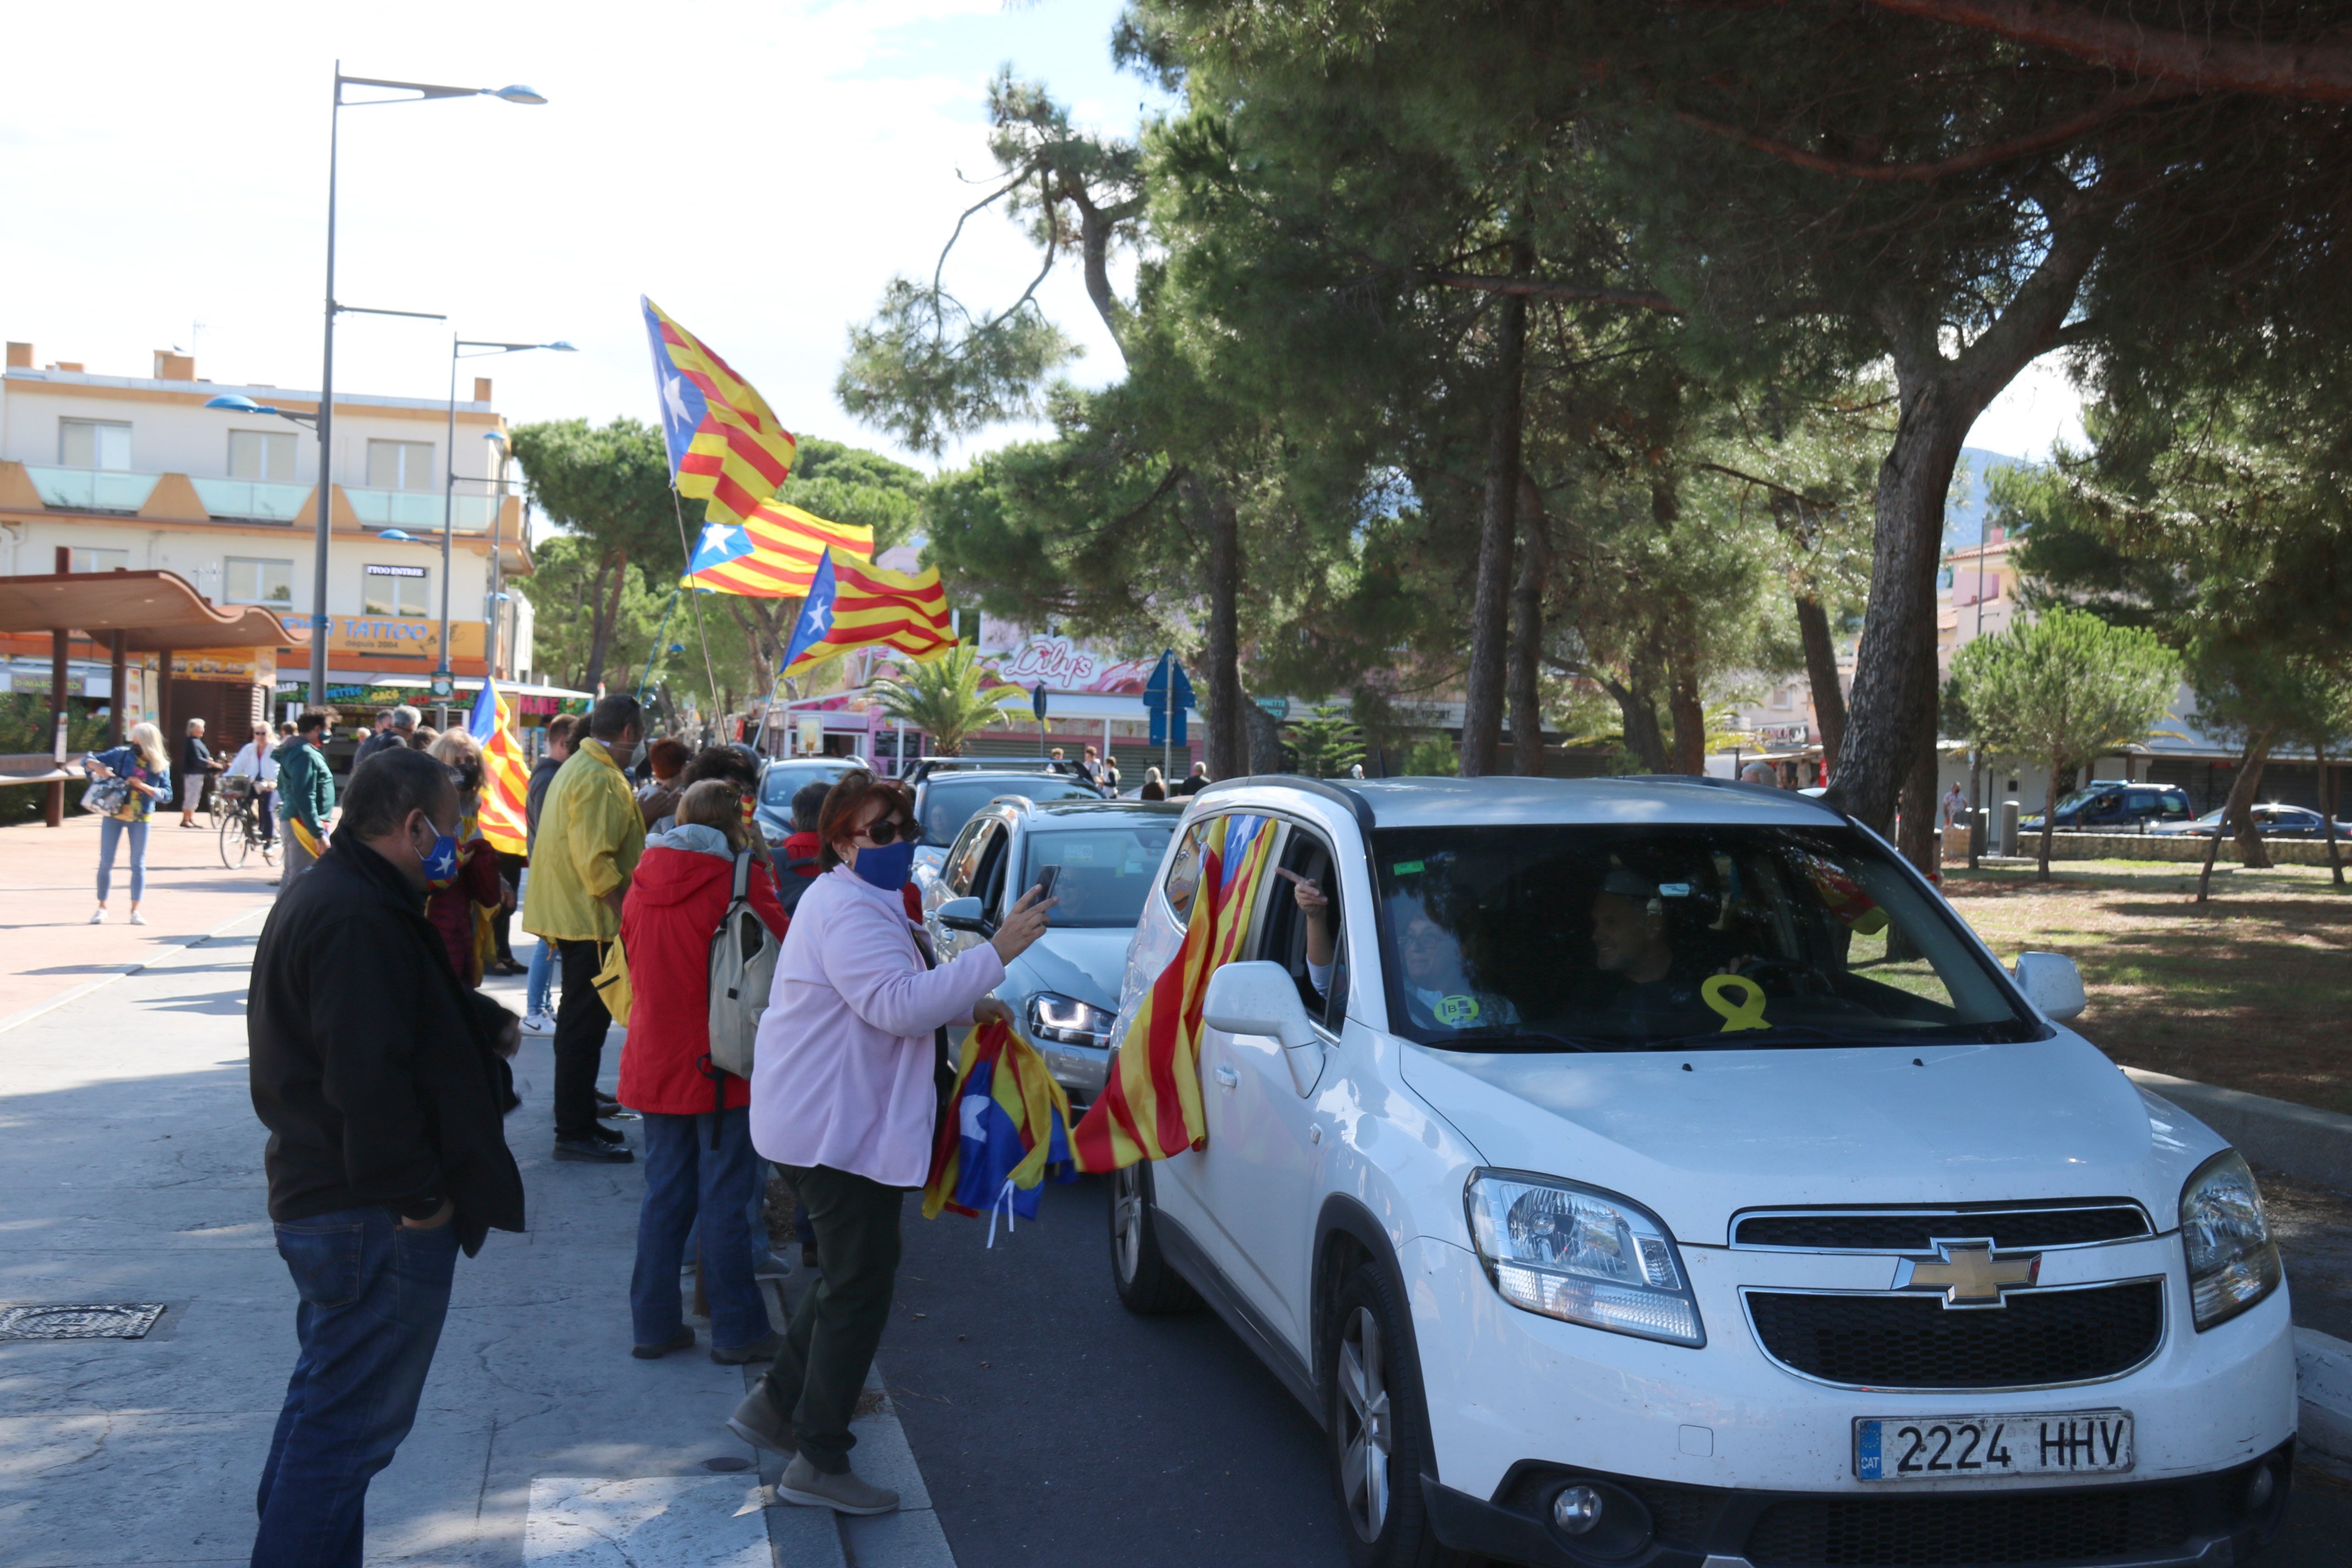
x=887, y=831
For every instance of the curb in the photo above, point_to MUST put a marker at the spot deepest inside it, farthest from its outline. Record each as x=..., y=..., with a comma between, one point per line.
x=76, y=992
x=2322, y=1367
x=2310, y=1145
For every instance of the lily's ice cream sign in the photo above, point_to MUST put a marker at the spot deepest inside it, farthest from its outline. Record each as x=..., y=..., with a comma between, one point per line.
x=1062, y=664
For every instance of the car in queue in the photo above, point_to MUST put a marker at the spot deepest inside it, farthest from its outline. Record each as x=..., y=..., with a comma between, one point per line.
x=947, y=794
x=1657, y=1172
x=2117, y=808
x=1105, y=858
x=2272, y=820
x=781, y=778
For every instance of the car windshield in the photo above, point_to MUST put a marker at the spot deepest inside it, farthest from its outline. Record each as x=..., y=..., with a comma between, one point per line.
x=1649, y=938
x=949, y=800
x=2077, y=799
x=785, y=780
x=1106, y=870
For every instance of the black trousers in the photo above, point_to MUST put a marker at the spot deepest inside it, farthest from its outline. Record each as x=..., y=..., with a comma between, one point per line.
x=820, y=1367
x=579, y=1040
x=510, y=870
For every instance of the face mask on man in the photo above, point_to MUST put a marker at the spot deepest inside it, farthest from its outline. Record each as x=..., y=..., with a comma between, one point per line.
x=439, y=861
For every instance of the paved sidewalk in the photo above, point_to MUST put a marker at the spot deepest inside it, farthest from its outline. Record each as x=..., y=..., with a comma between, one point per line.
x=50, y=877
x=133, y=1163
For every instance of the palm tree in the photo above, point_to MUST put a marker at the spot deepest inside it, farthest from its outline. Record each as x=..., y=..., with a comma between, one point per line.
x=942, y=698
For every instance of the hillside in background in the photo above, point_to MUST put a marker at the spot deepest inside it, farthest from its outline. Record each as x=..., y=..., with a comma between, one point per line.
x=1964, y=518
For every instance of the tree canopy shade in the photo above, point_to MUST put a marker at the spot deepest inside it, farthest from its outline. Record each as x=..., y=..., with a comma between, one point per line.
x=2064, y=689
x=942, y=698
x=608, y=485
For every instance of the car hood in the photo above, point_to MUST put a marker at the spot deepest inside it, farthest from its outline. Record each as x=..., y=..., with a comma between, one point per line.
x=1080, y=961
x=1699, y=1136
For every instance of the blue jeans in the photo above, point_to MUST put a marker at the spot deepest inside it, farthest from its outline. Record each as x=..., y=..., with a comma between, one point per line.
x=543, y=972
x=688, y=1183
x=374, y=1293
x=110, y=830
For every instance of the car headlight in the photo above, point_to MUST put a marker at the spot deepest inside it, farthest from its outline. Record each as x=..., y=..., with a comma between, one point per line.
x=1054, y=1017
x=1582, y=1256
x=2232, y=1261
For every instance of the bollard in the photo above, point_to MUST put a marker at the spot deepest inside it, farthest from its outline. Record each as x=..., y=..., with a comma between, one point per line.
x=2008, y=828
x=1979, y=830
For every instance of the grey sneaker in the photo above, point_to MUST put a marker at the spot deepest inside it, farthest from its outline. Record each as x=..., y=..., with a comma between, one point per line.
x=762, y=1348
x=759, y=1423
x=770, y=1267
x=806, y=1485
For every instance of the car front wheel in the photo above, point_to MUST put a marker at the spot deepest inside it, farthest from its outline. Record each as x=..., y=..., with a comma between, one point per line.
x=1147, y=1283
x=1378, y=1428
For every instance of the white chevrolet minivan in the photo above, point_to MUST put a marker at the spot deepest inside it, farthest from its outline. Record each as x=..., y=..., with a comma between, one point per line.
x=1656, y=1172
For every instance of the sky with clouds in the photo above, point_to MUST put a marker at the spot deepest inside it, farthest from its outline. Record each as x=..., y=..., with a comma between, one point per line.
x=761, y=171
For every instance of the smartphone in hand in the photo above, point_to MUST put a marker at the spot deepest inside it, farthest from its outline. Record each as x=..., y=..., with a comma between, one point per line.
x=1046, y=877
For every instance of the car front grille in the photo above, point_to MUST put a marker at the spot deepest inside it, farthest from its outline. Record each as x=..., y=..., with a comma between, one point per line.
x=2039, y=1338
x=1952, y=1532
x=1916, y=1230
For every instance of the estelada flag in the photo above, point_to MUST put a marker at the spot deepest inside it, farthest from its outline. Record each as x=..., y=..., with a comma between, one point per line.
x=726, y=445
x=852, y=605
x=506, y=782
x=773, y=553
x=1150, y=1108
x=1010, y=1132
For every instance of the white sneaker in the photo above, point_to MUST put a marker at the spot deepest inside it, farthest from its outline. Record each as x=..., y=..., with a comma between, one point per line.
x=137, y=918
x=539, y=1024
x=99, y=918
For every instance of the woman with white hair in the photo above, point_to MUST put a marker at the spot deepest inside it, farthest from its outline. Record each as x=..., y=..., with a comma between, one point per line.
x=146, y=773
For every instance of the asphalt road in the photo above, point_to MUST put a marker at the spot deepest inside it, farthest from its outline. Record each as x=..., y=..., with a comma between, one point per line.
x=1052, y=1425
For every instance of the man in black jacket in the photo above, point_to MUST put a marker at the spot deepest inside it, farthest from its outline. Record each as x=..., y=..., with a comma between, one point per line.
x=377, y=1073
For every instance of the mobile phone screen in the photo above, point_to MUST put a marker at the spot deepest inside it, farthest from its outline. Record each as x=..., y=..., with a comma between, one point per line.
x=1046, y=877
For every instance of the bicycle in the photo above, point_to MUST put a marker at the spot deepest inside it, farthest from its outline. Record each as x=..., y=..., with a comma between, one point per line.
x=239, y=810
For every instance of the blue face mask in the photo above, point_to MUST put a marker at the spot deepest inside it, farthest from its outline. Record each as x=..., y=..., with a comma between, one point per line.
x=441, y=863
x=889, y=866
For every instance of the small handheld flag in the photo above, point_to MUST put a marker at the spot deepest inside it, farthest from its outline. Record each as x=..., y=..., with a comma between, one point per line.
x=726, y=445
x=773, y=554
x=1009, y=1132
x=505, y=783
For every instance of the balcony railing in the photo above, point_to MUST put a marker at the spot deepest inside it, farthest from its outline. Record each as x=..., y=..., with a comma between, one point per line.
x=92, y=489
x=255, y=498
x=419, y=511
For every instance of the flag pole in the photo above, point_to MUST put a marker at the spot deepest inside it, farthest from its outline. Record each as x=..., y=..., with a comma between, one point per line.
x=677, y=510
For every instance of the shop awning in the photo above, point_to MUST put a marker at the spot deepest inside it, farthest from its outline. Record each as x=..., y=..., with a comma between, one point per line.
x=155, y=610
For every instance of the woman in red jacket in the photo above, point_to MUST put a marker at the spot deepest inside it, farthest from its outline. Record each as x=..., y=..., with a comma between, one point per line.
x=700, y=1167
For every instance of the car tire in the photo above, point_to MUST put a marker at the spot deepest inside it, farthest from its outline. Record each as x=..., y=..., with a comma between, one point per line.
x=1147, y=1283
x=1378, y=1428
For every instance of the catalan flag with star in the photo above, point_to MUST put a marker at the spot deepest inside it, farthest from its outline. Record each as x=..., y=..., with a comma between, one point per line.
x=773, y=554
x=1010, y=1132
x=506, y=777
x=853, y=604
x=1150, y=1108
x=726, y=445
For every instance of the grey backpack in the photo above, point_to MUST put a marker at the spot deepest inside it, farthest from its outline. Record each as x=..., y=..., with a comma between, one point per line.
x=742, y=968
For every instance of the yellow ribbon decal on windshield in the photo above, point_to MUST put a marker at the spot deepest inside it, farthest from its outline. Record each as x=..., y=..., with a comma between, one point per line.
x=1746, y=1014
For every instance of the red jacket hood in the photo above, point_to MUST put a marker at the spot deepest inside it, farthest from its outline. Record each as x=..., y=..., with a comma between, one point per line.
x=667, y=877
x=796, y=847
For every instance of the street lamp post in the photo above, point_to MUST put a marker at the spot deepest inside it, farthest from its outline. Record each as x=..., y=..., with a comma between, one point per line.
x=443, y=680
x=422, y=91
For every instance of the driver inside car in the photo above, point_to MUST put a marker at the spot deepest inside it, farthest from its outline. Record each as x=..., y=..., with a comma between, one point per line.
x=1635, y=937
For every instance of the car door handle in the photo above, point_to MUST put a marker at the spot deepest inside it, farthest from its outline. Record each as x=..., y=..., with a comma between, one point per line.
x=1229, y=1076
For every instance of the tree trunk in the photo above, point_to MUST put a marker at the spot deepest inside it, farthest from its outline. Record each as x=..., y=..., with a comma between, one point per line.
x=2050, y=827
x=1642, y=737
x=2241, y=796
x=2252, y=853
x=1226, y=745
x=2327, y=810
x=1822, y=676
x=1263, y=746
x=605, y=613
x=1687, y=712
x=1916, y=842
x=1528, y=633
x=1482, y=713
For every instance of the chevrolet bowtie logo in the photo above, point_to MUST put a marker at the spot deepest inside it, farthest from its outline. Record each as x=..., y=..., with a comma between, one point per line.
x=1969, y=1273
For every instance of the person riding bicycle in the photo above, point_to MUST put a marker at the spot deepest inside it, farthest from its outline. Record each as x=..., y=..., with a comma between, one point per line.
x=253, y=761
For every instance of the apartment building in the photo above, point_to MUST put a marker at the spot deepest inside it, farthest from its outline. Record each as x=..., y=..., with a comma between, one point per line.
x=135, y=472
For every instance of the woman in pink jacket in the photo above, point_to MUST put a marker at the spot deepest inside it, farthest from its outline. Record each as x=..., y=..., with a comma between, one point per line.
x=842, y=1099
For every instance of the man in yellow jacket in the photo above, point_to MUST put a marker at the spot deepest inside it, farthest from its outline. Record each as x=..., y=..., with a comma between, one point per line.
x=591, y=833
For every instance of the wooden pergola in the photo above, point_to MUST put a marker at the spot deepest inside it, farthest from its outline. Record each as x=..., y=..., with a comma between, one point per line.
x=131, y=612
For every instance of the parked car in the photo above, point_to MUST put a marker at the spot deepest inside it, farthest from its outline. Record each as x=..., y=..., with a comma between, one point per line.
x=1663, y=1174
x=781, y=778
x=1065, y=989
x=945, y=799
x=2272, y=821
x=2116, y=808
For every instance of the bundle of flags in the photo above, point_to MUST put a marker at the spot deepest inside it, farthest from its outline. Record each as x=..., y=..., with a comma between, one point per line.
x=854, y=605
x=1009, y=1132
x=726, y=446
x=506, y=780
x=1150, y=1108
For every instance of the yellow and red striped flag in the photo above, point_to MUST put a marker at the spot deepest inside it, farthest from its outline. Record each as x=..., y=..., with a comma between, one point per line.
x=726, y=445
x=1150, y=1108
x=854, y=605
x=506, y=782
x=773, y=553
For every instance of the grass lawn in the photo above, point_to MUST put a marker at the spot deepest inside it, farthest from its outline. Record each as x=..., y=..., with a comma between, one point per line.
x=2252, y=991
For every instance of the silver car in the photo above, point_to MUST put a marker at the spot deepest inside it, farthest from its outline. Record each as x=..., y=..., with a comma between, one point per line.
x=1065, y=989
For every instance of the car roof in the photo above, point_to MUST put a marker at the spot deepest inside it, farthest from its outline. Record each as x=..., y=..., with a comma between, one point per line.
x=1050, y=813
x=1436, y=802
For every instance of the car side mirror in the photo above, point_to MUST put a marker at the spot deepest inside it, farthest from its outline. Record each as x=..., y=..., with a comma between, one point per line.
x=1260, y=998
x=2052, y=983
x=964, y=914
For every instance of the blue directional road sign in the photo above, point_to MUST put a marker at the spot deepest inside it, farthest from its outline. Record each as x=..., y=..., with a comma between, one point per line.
x=1168, y=707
